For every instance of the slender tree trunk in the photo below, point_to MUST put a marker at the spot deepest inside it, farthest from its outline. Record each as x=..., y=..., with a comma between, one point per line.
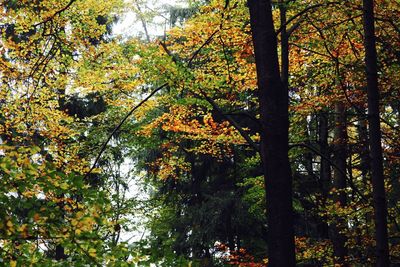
x=365, y=164
x=339, y=182
x=362, y=130
x=325, y=168
x=377, y=176
x=273, y=100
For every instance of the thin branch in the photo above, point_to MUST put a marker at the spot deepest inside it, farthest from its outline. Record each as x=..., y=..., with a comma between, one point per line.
x=93, y=259
x=55, y=14
x=144, y=25
x=304, y=11
x=244, y=114
x=104, y=146
x=201, y=47
x=174, y=58
x=352, y=185
x=231, y=121
x=391, y=22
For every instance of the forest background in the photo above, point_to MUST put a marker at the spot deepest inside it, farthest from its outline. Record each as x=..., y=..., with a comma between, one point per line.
x=170, y=150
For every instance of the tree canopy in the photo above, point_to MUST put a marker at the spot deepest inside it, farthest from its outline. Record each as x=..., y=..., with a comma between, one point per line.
x=244, y=133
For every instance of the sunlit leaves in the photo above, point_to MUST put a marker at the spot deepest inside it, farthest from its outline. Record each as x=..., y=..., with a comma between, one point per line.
x=46, y=201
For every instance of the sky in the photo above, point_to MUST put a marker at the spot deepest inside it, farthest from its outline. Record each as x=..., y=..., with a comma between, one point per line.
x=157, y=18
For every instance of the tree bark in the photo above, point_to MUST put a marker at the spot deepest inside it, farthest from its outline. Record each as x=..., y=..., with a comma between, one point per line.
x=325, y=166
x=339, y=183
x=377, y=176
x=273, y=100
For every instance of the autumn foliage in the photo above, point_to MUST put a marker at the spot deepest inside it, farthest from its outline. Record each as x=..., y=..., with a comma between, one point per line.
x=84, y=180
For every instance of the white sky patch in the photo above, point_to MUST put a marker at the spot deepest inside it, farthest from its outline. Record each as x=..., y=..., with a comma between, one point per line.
x=155, y=14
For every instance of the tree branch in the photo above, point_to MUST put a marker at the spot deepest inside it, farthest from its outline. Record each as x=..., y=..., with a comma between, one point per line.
x=55, y=14
x=201, y=47
x=104, y=146
x=231, y=121
x=302, y=13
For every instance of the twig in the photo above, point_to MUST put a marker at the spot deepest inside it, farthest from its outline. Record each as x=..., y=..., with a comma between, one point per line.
x=201, y=47
x=104, y=146
x=302, y=13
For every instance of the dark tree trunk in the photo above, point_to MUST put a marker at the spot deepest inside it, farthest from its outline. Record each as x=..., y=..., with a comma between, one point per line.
x=325, y=167
x=377, y=176
x=273, y=100
x=339, y=182
x=362, y=129
x=60, y=253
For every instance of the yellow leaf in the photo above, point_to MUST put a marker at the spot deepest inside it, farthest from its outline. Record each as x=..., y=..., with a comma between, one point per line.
x=74, y=222
x=64, y=186
x=92, y=252
x=22, y=228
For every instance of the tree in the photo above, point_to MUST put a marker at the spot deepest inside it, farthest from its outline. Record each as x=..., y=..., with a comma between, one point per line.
x=51, y=213
x=85, y=115
x=273, y=101
x=375, y=143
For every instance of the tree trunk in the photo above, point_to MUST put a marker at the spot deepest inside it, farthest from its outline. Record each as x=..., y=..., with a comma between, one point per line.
x=339, y=183
x=362, y=130
x=377, y=176
x=273, y=100
x=325, y=166
x=325, y=169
